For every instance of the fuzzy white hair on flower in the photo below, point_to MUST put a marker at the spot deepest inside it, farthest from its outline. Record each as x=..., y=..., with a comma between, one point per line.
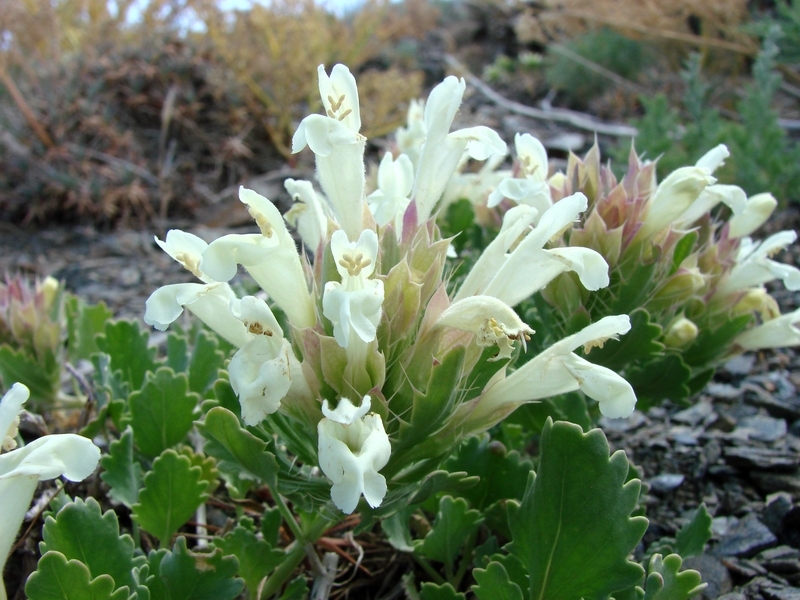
x=353, y=447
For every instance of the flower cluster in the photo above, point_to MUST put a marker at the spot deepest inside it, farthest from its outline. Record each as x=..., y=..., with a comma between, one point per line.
x=679, y=254
x=369, y=314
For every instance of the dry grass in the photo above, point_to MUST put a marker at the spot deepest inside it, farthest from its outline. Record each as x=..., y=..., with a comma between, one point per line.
x=107, y=122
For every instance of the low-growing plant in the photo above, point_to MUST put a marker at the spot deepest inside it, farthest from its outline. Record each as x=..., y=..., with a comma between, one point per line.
x=762, y=155
x=604, y=47
x=350, y=399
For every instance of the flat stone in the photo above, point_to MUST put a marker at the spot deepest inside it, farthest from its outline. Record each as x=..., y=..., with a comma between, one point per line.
x=733, y=596
x=723, y=390
x=762, y=458
x=634, y=421
x=683, y=434
x=776, y=482
x=740, y=365
x=781, y=592
x=746, y=538
x=763, y=428
x=714, y=574
x=694, y=414
x=777, y=505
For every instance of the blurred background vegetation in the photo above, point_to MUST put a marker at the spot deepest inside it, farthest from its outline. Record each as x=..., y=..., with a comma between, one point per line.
x=114, y=121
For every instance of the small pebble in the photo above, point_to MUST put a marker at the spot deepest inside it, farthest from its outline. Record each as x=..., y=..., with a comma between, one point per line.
x=746, y=538
x=666, y=482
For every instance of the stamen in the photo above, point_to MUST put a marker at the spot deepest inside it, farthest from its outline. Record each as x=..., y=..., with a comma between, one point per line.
x=258, y=329
x=345, y=113
x=190, y=263
x=263, y=223
x=354, y=264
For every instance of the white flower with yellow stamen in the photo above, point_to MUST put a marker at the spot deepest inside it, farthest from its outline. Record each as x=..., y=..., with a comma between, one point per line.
x=354, y=304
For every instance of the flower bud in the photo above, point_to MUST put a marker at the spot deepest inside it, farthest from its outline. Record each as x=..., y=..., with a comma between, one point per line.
x=680, y=333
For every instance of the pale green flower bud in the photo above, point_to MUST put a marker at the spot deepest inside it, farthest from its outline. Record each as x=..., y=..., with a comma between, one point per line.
x=680, y=332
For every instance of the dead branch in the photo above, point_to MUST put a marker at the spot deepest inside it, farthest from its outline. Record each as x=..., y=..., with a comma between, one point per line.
x=574, y=118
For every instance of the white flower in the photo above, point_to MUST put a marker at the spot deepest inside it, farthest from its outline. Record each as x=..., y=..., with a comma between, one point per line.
x=411, y=138
x=354, y=305
x=308, y=214
x=493, y=322
x=187, y=249
x=260, y=372
x=754, y=267
x=559, y=370
x=390, y=200
x=529, y=267
x=51, y=456
x=674, y=196
x=210, y=302
x=338, y=146
x=353, y=447
x=731, y=195
x=533, y=188
x=756, y=211
x=442, y=151
x=270, y=257
x=776, y=333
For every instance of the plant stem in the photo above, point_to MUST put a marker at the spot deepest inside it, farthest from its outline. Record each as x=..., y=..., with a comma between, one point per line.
x=296, y=552
x=289, y=518
x=426, y=566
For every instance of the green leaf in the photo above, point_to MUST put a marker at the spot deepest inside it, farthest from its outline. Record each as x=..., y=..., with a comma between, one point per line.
x=80, y=532
x=494, y=584
x=396, y=530
x=666, y=378
x=84, y=323
x=207, y=359
x=41, y=379
x=257, y=558
x=236, y=448
x=296, y=590
x=207, y=465
x=683, y=249
x=185, y=575
x=639, y=344
x=172, y=491
x=455, y=524
x=710, y=346
x=691, y=539
x=432, y=591
x=162, y=412
x=121, y=472
x=57, y=578
x=664, y=582
x=109, y=383
x=573, y=530
x=502, y=474
x=127, y=345
x=177, y=352
x=631, y=292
